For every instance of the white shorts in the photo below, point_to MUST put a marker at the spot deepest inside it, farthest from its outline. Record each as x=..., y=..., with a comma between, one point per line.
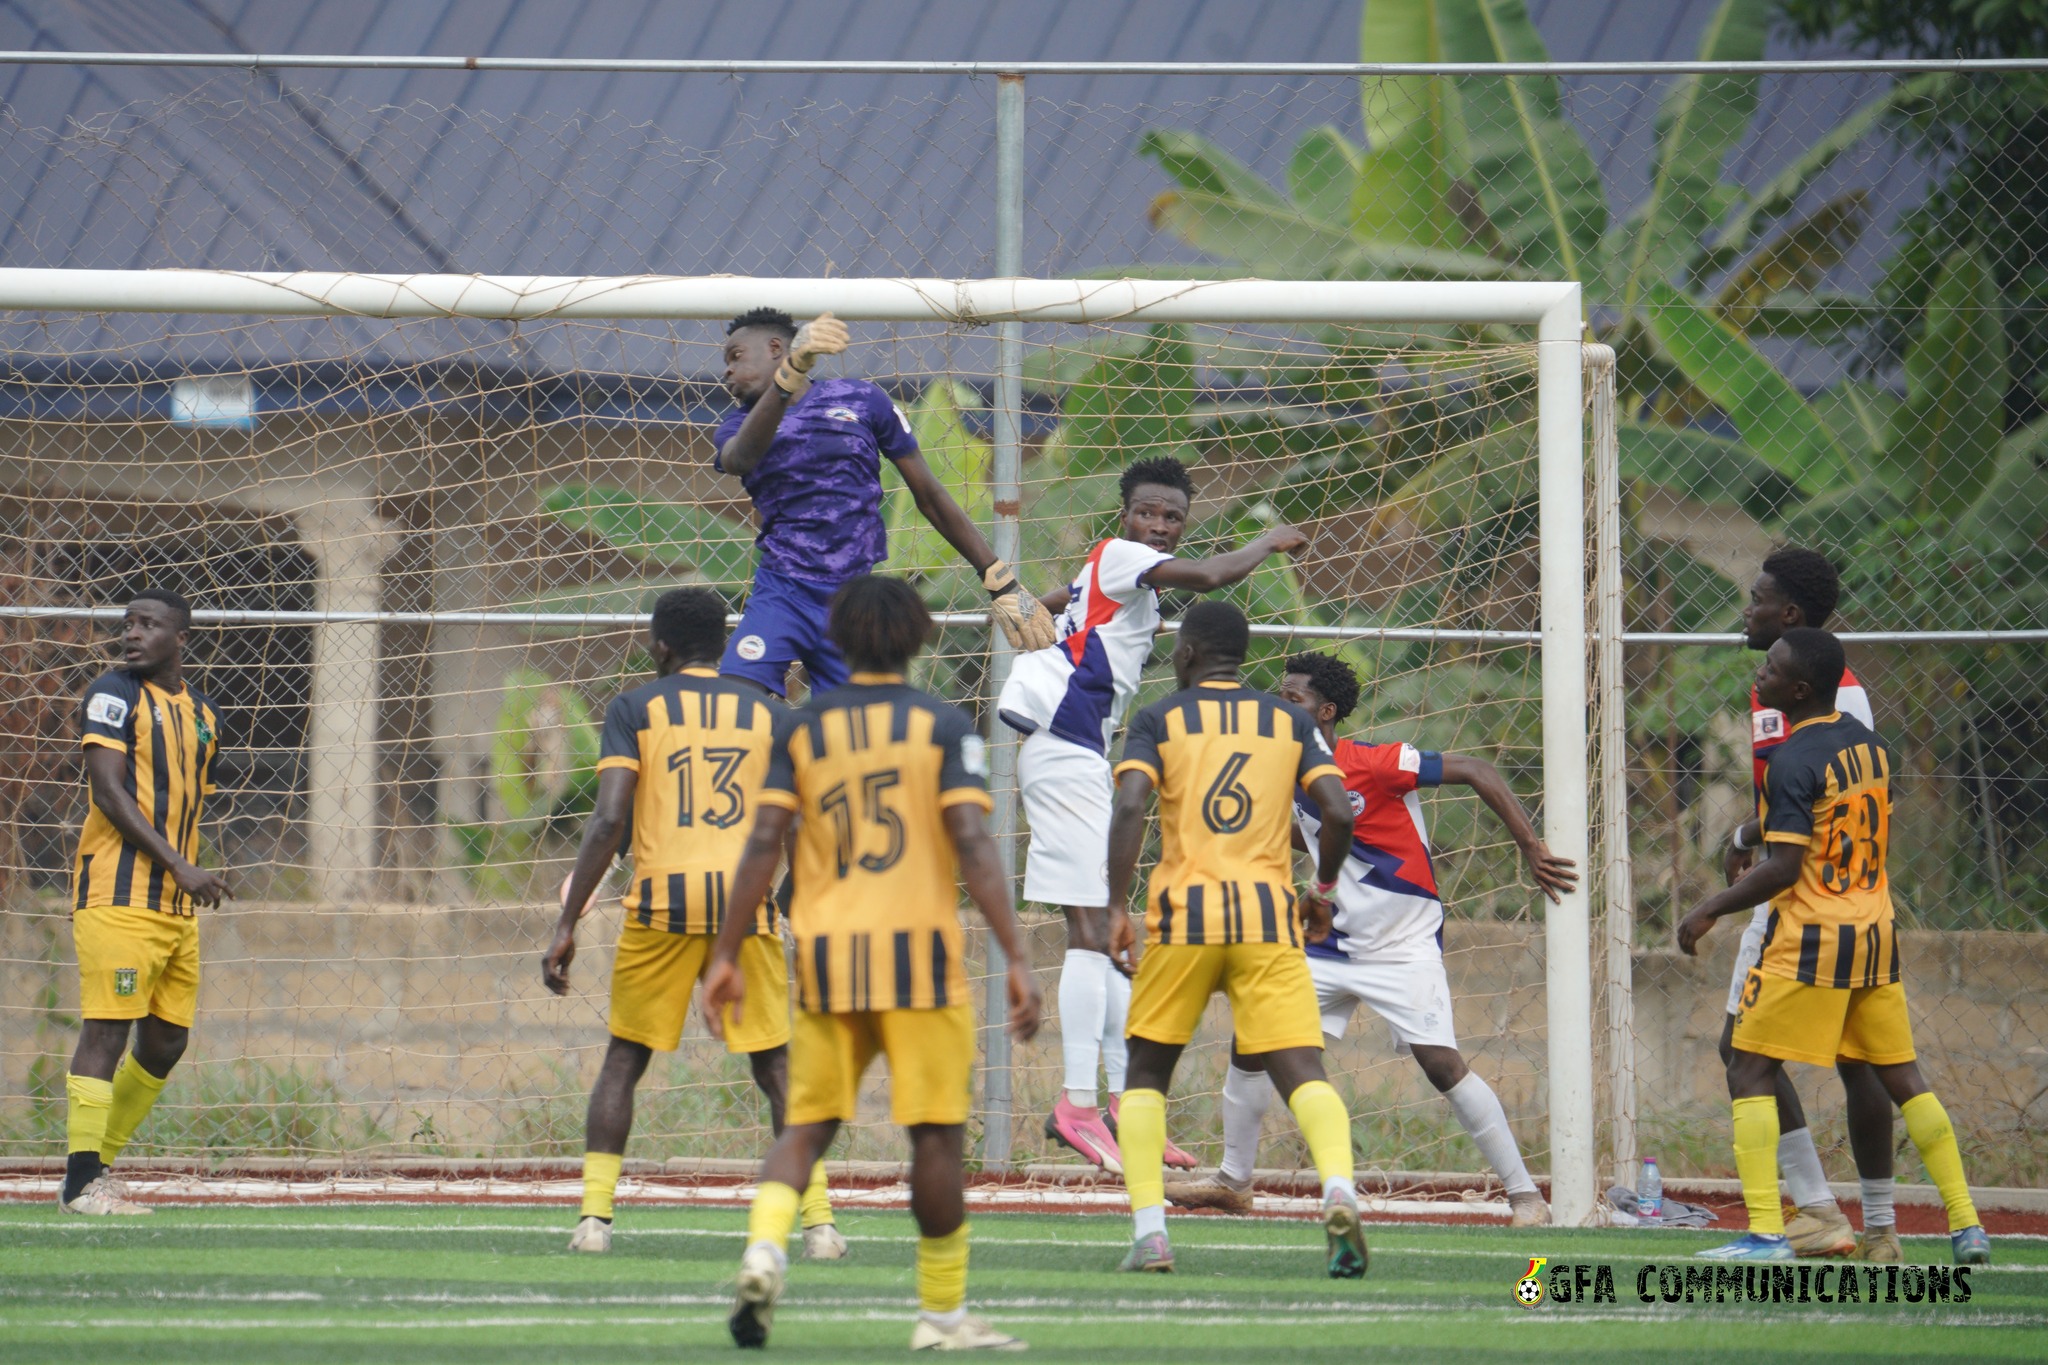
x=1413, y=997
x=1066, y=791
x=1747, y=955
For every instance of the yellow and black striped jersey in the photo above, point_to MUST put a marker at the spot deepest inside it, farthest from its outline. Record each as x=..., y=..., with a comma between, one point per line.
x=1828, y=789
x=870, y=769
x=171, y=740
x=700, y=744
x=1226, y=760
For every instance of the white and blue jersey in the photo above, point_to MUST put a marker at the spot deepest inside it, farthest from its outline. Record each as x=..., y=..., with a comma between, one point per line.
x=1078, y=689
x=1386, y=908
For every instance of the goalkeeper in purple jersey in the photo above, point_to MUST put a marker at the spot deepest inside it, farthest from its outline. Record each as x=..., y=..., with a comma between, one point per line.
x=809, y=454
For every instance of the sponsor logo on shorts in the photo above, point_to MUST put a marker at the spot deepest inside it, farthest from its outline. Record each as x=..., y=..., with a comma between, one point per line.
x=750, y=647
x=104, y=709
x=124, y=980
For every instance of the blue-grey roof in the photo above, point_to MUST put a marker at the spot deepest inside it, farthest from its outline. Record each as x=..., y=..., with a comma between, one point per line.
x=785, y=174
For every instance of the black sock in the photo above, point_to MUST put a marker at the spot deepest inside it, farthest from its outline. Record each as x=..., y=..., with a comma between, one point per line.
x=80, y=1170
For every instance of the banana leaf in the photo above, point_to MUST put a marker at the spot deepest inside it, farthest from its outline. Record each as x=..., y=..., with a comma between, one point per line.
x=1197, y=164
x=668, y=535
x=1775, y=422
x=1127, y=407
x=1702, y=119
x=1797, y=258
x=2011, y=514
x=1322, y=174
x=1695, y=464
x=1413, y=150
x=959, y=460
x=1946, y=438
x=1281, y=243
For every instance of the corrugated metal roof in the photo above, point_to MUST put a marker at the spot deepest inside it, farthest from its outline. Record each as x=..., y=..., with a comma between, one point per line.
x=579, y=173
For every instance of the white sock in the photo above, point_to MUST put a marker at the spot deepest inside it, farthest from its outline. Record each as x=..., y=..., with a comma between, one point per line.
x=1084, y=1000
x=1116, y=1056
x=1340, y=1182
x=1479, y=1111
x=1145, y=1222
x=1799, y=1159
x=947, y=1320
x=1245, y=1097
x=781, y=1254
x=1878, y=1210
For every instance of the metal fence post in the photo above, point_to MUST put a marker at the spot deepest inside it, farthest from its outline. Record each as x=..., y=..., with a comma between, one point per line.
x=1007, y=538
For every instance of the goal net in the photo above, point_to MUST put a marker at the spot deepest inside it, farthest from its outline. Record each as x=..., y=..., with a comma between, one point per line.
x=422, y=549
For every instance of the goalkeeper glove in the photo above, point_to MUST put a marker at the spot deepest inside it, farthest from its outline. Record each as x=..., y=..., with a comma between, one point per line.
x=823, y=335
x=1025, y=622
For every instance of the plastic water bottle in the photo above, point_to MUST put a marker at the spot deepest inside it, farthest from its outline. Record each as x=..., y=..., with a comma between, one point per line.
x=1650, y=1193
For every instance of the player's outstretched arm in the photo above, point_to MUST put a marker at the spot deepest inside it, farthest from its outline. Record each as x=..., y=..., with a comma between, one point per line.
x=106, y=771
x=1126, y=843
x=1554, y=875
x=1023, y=619
x=723, y=983
x=1220, y=571
x=981, y=869
x=1776, y=873
x=601, y=834
x=825, y=335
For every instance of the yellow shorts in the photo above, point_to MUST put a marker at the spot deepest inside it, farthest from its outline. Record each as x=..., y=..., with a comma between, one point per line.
x=1272, y=997
x=1795, y=1022
x=931, y=1064
x=133, y=962
x=654, y=973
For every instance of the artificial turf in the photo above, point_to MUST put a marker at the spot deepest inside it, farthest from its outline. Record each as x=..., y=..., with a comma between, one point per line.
x=494, y=1284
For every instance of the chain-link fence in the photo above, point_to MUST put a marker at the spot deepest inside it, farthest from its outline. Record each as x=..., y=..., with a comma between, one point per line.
x=1820, y=288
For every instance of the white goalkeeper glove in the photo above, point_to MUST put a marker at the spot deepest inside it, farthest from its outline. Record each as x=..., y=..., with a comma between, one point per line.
x=823, y=335
x=1025, y=622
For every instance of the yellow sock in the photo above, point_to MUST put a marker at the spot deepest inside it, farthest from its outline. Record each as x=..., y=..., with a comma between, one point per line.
x=1756, y=1161
x=85, y=1118
x=1934, y=1137
x=773, y=1214
x=942, y=1271
x=1326, y=1126
x=600, y=1182
x=1141, y=1136
x=817, y=1205
x=135, y=1094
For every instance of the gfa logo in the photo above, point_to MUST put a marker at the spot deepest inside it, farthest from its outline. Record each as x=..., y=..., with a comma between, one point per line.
x=1529, y=1289
x=124, y=981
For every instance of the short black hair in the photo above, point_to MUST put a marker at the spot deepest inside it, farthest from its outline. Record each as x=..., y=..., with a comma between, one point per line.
x=175, y=601
x=878, y=623
x=1217, y=629
x=770, y=319
x=1163, y=470
x=1817, y=659
x=691, y=622
x=1329, y=678
x=1808, y=580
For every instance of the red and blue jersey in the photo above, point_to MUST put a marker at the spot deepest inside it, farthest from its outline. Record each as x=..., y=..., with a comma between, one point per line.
x=1386, y=907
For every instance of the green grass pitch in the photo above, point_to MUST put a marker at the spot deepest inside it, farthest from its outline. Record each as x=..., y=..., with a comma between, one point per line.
x=494, y=1285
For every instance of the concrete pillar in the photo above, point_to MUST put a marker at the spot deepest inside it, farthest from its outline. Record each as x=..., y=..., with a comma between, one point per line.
x=349, y=542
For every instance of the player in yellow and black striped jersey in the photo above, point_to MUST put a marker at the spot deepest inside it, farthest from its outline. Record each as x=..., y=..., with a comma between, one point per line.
x=681, y=763
x=150, y=741
x=1827, y=984
x=1222, y=914
x=891, y=787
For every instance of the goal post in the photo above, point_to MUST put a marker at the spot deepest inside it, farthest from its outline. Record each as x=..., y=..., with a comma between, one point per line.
x=1552, y=312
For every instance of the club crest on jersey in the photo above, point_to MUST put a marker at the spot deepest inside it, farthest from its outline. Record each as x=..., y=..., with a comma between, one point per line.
x=974, y=756
x=1357, y=804
x=842, y=414
x=1528, y=1290
x=204, y=731
x=1765, y=726
x=124, y=980
x=750, y=647
x=106, y=709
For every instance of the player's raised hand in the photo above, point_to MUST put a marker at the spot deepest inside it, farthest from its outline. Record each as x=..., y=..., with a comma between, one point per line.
x=723, y=986
x=1286, y=539
x=822, y=335
x=1027, y=1004
x=1554, y=875
x=1022, y=618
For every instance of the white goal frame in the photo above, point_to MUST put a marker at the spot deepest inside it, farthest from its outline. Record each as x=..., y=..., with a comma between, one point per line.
x=1554, y=310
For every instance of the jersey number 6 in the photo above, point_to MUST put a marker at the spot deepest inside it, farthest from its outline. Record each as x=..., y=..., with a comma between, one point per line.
x=1227, y=806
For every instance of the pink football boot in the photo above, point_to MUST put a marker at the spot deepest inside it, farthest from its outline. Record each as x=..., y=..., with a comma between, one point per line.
x=1175, y=1158
x=1084, y=1131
